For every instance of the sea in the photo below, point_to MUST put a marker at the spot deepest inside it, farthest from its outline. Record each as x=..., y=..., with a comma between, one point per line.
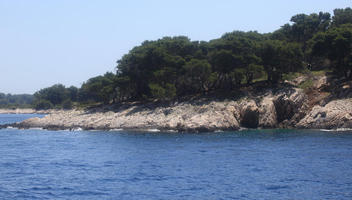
x=246, y=164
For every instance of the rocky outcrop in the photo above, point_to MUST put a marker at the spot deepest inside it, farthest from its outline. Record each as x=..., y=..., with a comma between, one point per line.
x=288, y=107
x=267, y=113
x=186, y=116
x=336, y=114
x=283, y=109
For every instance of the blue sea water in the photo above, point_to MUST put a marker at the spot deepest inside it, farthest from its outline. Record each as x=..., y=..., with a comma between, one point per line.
x=253, y=164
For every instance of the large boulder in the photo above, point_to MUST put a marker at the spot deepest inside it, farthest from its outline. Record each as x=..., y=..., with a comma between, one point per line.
x=267, y=113
x=210, y=116
x=335, y=114
x=290, y=106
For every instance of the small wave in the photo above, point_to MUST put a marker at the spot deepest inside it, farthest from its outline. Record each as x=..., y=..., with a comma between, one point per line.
x=77, y=129
x=344, y=129
x=326, y=130
x=337, y=129
x=153, y=130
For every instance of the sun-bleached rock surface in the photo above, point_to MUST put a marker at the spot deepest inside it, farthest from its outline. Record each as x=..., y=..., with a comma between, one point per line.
x=335, y=114
x=187, y=116
x=194, y=115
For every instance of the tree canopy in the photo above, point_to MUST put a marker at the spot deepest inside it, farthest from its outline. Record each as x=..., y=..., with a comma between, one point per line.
x=54, y=97
x=15, y=100
x=173, y=67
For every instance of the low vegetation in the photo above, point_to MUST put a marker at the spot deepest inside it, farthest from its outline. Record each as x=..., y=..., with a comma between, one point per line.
x=9, y=101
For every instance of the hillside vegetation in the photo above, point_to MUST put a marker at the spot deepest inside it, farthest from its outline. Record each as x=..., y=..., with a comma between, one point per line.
x=175, y=67
x=9, y=101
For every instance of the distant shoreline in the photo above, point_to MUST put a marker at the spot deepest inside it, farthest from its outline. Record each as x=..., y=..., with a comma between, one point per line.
x=25, y=111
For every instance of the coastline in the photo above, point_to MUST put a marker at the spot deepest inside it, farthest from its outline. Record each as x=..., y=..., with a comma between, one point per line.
x=25, y=111
x=287, y=108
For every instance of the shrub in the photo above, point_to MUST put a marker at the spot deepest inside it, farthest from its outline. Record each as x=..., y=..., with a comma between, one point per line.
x=67, y=104
x=43, y=105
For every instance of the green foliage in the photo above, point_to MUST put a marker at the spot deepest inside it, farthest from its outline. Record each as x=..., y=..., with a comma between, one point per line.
x=342, y=16
x=164, y=93
x=306, y=85
x=16, y=101
x=67, y=104
x=43, y=105
x=223, y=61
x=280, y=57
x=291, y=76
x=253, y=71
x=336, y=45
x=55, y=94
x=303, y=28
x=176, y=66
x=197, y=75
x=98, y=89
x=73, y=93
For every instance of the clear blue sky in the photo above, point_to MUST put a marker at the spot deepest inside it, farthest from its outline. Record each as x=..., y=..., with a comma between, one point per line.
x=68, y=41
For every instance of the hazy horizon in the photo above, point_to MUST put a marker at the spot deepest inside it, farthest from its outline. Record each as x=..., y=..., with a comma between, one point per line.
x=44, y=43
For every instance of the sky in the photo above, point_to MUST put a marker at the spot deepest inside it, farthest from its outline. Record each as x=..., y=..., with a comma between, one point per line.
x=69, y=41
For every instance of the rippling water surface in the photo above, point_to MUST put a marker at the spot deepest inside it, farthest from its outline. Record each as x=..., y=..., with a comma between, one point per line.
x=269, y=164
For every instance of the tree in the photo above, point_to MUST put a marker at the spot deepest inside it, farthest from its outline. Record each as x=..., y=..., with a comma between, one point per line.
x=73, y=93
x=98, y=89
x=197, y=75
x=342, y=16
x=280, y=57
x=253, y=71
x=55, y=94
x=43, y=104
x=223, y=63
x=335, y=44
x=124, y=88
x=302, y=29
x=16, y=100
x=67, y=104
x=167, y=92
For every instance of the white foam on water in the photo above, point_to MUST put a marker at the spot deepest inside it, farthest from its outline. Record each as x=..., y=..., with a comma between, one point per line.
x=153, y=130
x=326, y=130
x=337, y=129
x=344, y=129
x=171, y=131
x=40, y=129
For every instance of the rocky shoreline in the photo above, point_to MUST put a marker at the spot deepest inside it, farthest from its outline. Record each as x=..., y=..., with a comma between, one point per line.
x=286, y=107
x=25, y=111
